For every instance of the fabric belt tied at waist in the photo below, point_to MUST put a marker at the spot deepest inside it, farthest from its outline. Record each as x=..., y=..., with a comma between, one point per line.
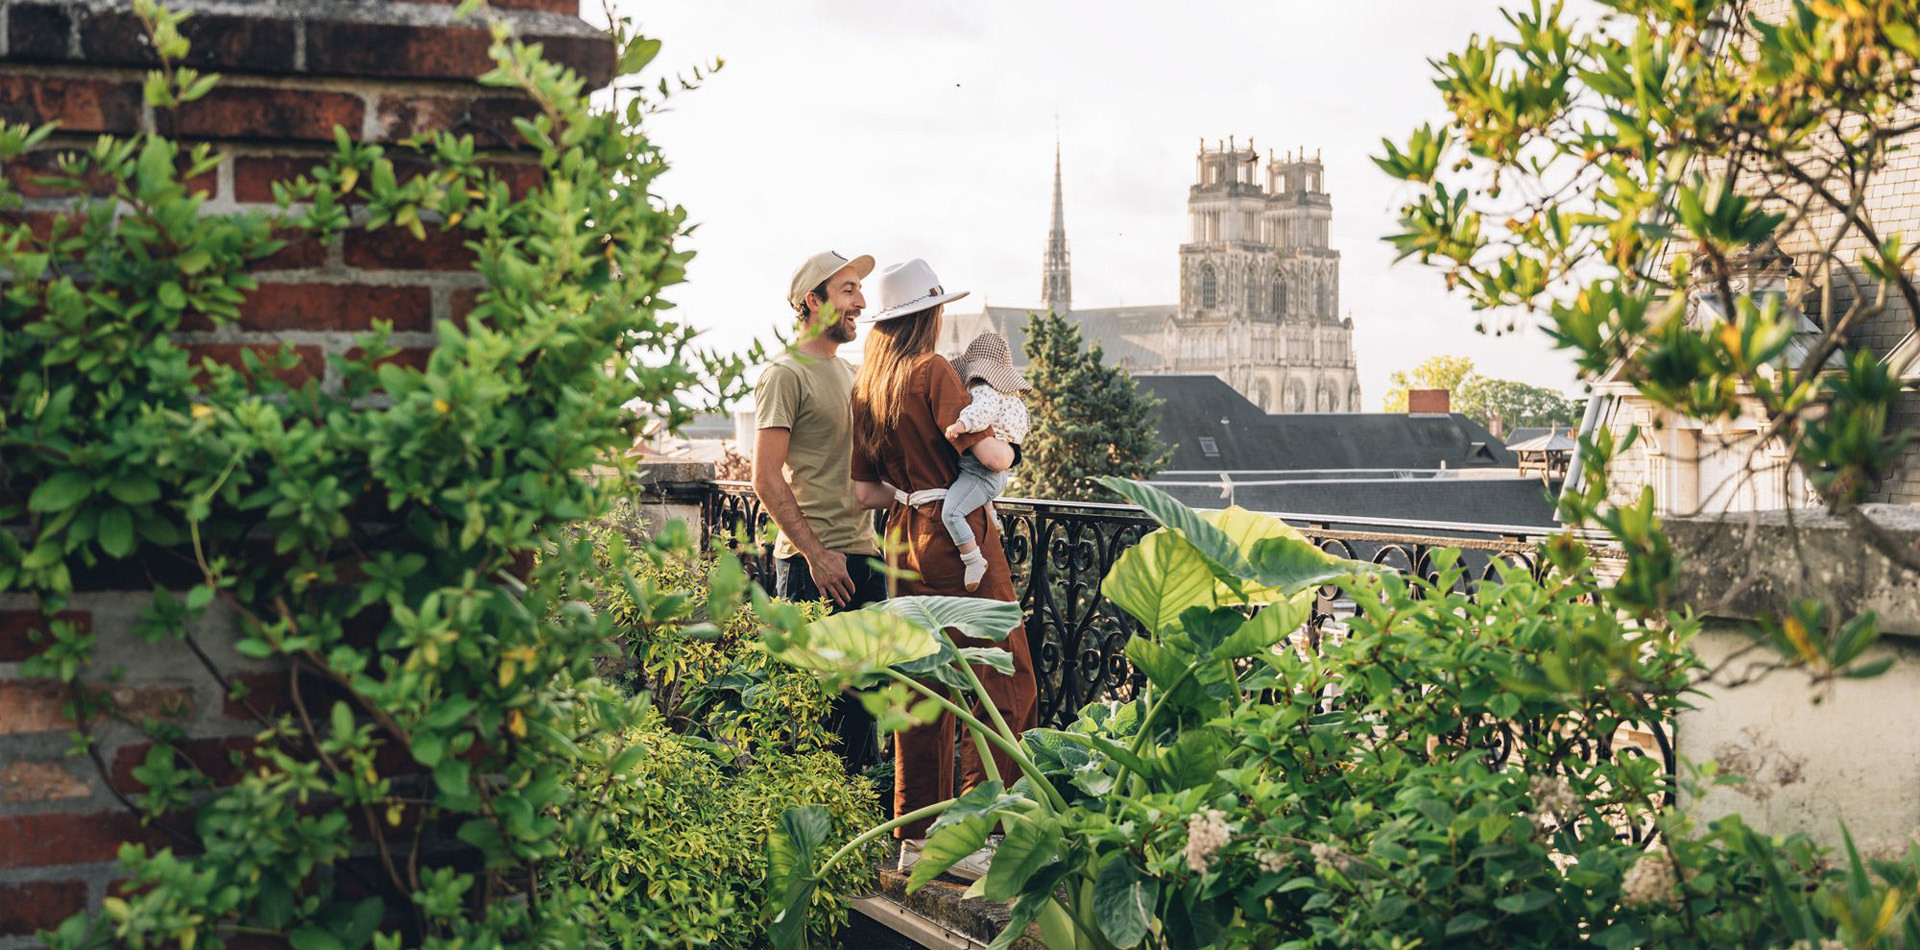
x=929, y=496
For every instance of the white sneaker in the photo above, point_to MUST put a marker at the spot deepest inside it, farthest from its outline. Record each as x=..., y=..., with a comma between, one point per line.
x=909, y=853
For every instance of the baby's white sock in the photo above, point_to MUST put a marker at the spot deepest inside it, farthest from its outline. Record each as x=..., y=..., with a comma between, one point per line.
x=976, y=567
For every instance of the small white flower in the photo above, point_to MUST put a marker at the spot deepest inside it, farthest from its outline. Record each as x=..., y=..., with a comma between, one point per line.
x=1206, y=833
x=1328, y=856
x=1273, y=862
x=1650, y=882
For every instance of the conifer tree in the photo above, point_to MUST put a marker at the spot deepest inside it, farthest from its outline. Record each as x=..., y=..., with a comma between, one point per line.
x=1088, y=418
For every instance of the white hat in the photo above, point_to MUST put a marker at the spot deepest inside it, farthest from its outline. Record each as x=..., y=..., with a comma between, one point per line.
x=909, y=288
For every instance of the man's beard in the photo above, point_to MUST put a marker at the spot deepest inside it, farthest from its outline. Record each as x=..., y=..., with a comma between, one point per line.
x=842, y=330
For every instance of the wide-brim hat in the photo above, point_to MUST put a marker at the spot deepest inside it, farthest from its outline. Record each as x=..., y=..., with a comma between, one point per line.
x=990, y=359
x=818, y=268
x=908, y=287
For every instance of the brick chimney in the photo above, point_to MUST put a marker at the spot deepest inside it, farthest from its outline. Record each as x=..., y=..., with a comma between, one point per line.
x=1429, y=401
x=381, y=70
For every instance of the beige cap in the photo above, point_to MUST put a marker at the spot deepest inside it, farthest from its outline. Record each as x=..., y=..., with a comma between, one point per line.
x=819, y=267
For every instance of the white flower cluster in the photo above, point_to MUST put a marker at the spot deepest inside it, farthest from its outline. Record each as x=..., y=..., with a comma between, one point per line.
x=1273, y=862
x=1328, y=856
x=1206, y=833
x=1553, y=798
x=1650, y=882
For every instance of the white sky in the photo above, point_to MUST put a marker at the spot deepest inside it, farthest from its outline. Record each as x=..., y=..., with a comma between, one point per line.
x=908, y=128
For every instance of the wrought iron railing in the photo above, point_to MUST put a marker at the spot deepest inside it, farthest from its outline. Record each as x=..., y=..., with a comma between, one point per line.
x=1060, y=552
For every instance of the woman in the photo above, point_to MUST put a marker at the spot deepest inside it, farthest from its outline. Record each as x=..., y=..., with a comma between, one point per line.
x=904, y=398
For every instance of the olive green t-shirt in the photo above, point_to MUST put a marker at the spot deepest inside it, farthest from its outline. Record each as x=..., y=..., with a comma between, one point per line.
x=813, y=398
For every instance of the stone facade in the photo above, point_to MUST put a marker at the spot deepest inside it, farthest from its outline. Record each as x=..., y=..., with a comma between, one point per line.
x=1259, y=290
x=383, y=71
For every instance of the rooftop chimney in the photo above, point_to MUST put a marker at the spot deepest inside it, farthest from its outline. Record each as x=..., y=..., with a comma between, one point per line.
x=1423, y=401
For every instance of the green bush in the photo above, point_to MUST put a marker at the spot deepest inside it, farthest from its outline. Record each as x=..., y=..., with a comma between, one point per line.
x=688, y=866
x=1443, y=774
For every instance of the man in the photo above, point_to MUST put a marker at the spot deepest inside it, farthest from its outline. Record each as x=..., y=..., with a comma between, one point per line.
x=802, y=454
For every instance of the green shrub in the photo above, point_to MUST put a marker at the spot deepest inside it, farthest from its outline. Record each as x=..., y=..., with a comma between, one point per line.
x=688, y=866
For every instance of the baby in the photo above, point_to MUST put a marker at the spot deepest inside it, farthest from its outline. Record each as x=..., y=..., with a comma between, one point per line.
x=987, y=370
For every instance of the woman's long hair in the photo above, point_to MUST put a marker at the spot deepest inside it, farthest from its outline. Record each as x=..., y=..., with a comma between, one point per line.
x=892, y=349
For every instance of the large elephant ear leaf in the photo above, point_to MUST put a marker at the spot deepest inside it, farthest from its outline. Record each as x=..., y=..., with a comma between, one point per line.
x=1221, y=554
x=1157, y=579
x=790, y=875
x=858, y=643
x=974, y=617
x=1290, y=565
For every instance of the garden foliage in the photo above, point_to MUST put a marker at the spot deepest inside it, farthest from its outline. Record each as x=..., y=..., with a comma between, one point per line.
x=1447, y=771
x=453, y=771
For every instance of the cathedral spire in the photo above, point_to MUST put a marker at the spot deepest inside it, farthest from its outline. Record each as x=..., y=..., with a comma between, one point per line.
x=1057, y=273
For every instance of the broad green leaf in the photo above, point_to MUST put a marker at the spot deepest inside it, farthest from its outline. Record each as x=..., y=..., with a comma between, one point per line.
x=64, y=490
x=1291, y=565
x=1274, y=623
x=1158, y=578
x=313, y=938
x=1221, y=554
x=859, y=642
x=1030, y=843
x=974, y=617
x=1122, y=905
x=1000, y=661
x=790, y=875
x=115, y=532
x=947, y=845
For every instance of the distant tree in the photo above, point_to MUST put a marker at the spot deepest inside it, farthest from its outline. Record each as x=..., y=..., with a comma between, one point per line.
x=1518, y=404
x=1438, y=372
x=1478, y=397
x=1088, y=418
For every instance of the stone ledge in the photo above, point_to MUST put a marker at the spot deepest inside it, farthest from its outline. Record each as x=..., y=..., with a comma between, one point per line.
x=1746, y=565
x=943, y=901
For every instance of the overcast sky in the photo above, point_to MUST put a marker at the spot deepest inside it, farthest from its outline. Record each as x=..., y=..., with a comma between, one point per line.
x=926, y=129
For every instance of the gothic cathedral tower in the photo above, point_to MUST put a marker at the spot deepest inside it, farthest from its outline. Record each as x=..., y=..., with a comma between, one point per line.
x=1057, y=272
x=1260, y=288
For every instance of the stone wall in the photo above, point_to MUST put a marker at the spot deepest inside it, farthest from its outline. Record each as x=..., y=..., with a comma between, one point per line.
x=293, y=72
x=1812, y=755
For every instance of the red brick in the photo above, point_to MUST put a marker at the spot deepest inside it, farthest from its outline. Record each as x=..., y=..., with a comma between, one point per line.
x=59, y=838
x=312, y=365
x=266, y=692
x=397, y=50
x=28, y=907
x=570, y=7
x=254, y=176
x=397, y=249
x=24, y=173
x=521, y=177
x=40, y=223
x=18, y=628
x=36, y=706
x=80, y=105
x=462, y=300
x=38, y=32
x=258, y=113
x=40, y=781
x=275, y=306
x=226, y=42
x=488, y=118
x=32, y=707
x=214, y=758
x=303, y=251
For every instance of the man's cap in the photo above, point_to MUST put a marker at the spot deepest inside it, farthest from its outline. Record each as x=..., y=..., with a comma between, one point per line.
x=819, y=267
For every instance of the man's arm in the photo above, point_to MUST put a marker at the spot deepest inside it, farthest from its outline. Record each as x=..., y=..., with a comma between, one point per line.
x=829, y=568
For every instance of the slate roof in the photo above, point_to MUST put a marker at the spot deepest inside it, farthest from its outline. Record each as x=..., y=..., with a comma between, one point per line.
x=1199, y=408
x=1128, y=336
x=1556, y=440
x=1478, y=501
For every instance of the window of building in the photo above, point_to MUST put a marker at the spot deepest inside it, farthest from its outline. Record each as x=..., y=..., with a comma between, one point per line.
x=1209, y=288
x=1209, y=447
x=1279, y=298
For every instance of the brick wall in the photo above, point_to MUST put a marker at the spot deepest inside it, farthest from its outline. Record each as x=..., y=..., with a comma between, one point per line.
x=382, y=71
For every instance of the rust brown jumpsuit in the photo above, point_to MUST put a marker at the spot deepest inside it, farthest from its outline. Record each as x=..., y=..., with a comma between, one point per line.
x=916, y=456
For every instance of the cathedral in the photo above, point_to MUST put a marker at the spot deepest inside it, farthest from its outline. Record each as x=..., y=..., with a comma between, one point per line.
x=1259, y=290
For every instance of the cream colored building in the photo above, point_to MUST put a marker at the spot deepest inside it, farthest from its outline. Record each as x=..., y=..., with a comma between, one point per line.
x=1259, y=290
